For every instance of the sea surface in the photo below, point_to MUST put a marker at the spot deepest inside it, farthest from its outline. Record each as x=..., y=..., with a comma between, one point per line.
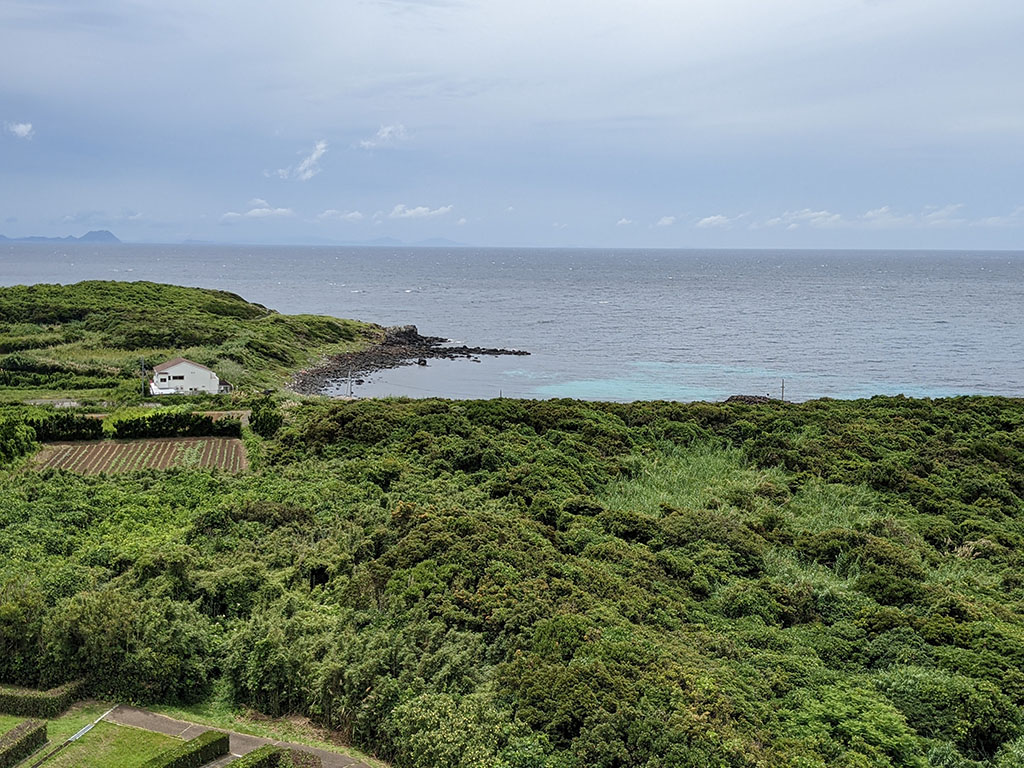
x=626, y=324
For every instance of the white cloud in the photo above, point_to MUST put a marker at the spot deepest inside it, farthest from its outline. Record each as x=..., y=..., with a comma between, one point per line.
x=386, y=136
x=308, y=168
x=1012, y=219
x=623, y=222
x=883, y=217
x=101, y=218
x=944, y=216
x=419, y=212
x=258, y=209
x=930, y=217
x=336, y=215
x=461, y=222
x=666, y=221
x=718, y=221
x=806, y=217
x=21, y=130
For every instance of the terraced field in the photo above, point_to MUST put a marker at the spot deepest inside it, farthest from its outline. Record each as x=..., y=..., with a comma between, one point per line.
x=91, y=458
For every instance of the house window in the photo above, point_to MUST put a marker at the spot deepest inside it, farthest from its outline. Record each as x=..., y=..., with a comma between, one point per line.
x=177, y=378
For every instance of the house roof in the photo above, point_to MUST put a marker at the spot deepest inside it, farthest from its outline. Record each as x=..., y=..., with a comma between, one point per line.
x=178, y=361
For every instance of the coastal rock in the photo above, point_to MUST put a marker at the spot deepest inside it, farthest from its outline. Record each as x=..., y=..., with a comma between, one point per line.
x=401, y=345
x=751, y=399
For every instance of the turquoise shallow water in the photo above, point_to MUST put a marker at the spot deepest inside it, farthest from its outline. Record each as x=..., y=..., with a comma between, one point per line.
x=627, y=324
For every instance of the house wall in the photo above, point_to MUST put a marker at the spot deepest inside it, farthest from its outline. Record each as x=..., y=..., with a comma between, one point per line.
x=193, y=379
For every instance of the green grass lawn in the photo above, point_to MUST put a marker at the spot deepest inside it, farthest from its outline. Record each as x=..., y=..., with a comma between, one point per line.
x=74, y=720
x=112, y=746
x=8, y=721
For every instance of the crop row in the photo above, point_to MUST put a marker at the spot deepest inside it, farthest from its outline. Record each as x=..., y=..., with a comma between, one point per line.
x=132, y=455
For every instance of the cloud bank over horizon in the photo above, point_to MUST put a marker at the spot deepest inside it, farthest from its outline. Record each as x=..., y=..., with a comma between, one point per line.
x=714, y=123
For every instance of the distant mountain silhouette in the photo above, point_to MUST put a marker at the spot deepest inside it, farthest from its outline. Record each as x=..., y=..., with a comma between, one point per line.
x=95, y=236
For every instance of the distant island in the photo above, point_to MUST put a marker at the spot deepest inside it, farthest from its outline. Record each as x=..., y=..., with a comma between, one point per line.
x=95, y=236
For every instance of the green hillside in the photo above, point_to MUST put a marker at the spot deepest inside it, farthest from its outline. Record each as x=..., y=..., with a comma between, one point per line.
x=559, y=584
x=85, y=341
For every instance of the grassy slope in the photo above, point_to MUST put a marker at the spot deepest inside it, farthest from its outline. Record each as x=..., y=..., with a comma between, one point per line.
x=84, y=341
x=561, y=584
x=105, y=746
x=112, y=746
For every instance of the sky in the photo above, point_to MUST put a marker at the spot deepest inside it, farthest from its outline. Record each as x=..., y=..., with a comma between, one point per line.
x=596, y=123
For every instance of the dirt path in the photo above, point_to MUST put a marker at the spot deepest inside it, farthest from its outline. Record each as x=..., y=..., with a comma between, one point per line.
x=241, y=743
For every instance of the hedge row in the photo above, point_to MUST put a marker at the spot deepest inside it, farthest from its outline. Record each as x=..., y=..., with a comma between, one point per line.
x=193, y=753
x=175, y=424
x=26, y=702
x=66, y=426
x=21, y=741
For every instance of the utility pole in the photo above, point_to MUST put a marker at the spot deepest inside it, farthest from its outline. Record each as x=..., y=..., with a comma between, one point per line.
x=783, y=398
x=142, y=366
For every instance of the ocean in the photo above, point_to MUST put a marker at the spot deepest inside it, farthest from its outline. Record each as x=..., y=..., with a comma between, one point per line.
x=626, y=324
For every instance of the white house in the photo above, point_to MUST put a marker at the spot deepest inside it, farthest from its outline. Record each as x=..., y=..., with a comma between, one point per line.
x=183, y=377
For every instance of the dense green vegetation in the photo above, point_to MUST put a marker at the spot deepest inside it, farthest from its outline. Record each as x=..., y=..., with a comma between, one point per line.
x=85, y=341
x=511, y=583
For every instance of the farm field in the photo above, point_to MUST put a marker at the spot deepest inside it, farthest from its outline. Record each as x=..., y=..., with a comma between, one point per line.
x=91, y=458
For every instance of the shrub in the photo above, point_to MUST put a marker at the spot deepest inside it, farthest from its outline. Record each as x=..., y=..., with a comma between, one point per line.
x=15, y=440
x=22, y=607
x=66, y=426
x=175, y=424
x=266, y=419
x=973, y=714
x=131, y=647
x=21, y=741
x=193, y=753
x=26, y=702
x=268, y=756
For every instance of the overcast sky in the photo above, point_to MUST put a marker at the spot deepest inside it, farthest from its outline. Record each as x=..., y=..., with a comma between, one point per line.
x=677, y=123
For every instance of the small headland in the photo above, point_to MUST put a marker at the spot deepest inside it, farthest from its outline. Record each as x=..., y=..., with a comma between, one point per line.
x=753, y=399
x=401, y=345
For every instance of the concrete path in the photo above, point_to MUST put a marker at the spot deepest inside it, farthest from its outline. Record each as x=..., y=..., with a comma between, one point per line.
x=241, y=743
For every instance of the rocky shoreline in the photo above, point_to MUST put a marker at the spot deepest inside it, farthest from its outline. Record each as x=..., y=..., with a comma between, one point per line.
x=402, y=345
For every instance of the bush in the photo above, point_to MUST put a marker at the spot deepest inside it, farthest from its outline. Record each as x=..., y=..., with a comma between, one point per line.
x=264, y=757
x=66, y=426
x=15, y=440
x=26, y=702
x=193, y=753
x=973, y=714
x=22, y=607
x=266, y=419
x=175, y=424
x=127, y=646
x=21, y=741
x=270, y=756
